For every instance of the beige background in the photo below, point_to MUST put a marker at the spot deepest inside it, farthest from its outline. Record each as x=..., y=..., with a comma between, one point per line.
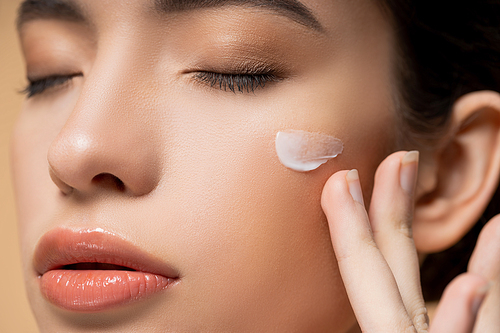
x=15, y=315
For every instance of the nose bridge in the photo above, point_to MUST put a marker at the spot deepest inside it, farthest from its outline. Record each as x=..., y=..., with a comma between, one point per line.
x=109, y=139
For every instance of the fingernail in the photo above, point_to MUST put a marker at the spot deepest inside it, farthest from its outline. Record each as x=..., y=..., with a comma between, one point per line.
x=409, y=171
x=480, y=296
x=352, y=178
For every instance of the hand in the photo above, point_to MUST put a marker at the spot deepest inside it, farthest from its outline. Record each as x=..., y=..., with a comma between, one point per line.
x=377, y=256
x=485, y=261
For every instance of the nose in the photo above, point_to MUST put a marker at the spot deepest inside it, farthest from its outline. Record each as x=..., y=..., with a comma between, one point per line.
x=107, y=142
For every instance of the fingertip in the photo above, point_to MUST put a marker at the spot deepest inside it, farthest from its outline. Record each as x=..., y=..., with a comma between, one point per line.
x=481, y=293
x=340, y=202
x=386, y=177
x=460, y=304
x=465, y=285
x=408, y=172
x=390, y=165
x=468, y=288
x=387, y=189
x=410, y=157
x=352, y=178
x=485, y=259
x=334, y=186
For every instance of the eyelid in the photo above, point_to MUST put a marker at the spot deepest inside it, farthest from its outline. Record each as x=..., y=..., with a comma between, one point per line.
x=39, y=85
x=239, y=74
x=236, y=82
x=241, y=65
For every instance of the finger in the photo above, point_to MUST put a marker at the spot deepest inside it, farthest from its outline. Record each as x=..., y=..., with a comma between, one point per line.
x=488, y=318
x=485, y=261
x=457, y=310
x=391, y=213
x=369, y=283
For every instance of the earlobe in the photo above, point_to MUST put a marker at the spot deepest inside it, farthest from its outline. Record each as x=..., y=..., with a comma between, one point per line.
x=460, y=179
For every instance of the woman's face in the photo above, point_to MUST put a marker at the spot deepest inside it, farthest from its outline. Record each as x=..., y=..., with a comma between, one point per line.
x=135, y=139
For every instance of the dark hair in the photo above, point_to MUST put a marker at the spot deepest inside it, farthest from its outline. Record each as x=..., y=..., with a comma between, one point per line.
x=446, y=49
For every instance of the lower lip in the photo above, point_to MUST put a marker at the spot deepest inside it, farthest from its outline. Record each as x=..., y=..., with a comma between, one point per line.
x=97, y=290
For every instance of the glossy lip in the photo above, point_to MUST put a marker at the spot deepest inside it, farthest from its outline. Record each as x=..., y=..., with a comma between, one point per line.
x=93, y=290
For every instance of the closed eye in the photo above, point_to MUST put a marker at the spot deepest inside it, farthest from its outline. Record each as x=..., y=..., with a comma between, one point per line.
x=38, y=86
x=240, y=82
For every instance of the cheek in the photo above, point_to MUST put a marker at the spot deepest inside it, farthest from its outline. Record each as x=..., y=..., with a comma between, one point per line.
x=34, y=190
x=257, y=227
x=252, y=235
x=249, y=234
x=249, y=227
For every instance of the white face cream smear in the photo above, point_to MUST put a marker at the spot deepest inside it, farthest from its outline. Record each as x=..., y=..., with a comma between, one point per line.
x=305, y=151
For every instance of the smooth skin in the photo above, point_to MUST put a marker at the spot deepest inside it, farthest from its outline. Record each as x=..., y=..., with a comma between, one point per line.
x=201, y=188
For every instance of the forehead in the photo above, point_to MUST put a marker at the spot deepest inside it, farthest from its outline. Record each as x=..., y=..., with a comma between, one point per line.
x=74, y=10
x=313, y=14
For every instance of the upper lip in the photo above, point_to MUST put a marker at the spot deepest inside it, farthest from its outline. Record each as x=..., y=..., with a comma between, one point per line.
x=60, y=247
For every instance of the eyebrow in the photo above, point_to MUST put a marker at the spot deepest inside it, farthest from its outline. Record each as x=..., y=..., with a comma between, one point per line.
x=292, y=9
x=68, y=10
x=48, y=9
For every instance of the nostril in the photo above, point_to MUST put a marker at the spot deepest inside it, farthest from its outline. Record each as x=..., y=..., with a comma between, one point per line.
x=108, y=180
x=65, y=188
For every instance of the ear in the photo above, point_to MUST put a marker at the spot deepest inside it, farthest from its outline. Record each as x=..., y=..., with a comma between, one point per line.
x=457, y=182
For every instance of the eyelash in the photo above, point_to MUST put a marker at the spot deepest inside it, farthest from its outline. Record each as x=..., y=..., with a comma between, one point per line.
x=38, y=86
x=226, y=82
x=247, y=82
